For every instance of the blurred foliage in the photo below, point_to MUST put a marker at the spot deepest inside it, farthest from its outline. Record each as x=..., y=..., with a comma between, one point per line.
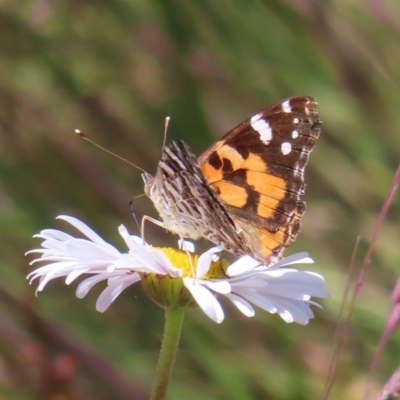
x=115, y=70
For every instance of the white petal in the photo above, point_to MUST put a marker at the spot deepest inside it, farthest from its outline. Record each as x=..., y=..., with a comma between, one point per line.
x=204, y=261
x=206, y=300
x=109, y=294
x=51, y=273
x=65, y=266
x=131, y=241
x=75, y=274
x=293, y=282
x=298, y=258
x=248, y=264
x=151, y=260
x=82, y=249
x=290, y=310
x=53, y=234
x=299, y=311
x=221, y=286
x=241, y=304
x=186, y=245
x=146, y=260
x=164, y=264
x=88, y=232
x=259, y=299
x=286, y=316
x=243, y=265
x=84, y=287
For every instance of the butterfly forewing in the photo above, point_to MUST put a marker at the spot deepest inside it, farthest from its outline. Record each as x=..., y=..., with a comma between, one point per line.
x=257, y=169
x=243, y=192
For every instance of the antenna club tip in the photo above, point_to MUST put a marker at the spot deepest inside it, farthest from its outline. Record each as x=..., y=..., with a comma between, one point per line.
x=79, y=132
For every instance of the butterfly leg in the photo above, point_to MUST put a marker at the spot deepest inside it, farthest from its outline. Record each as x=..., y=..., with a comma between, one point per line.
x=150, y=219
x=161, y=224
x=183, y=246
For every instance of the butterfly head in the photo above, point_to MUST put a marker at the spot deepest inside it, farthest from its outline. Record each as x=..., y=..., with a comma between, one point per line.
x=149, y=185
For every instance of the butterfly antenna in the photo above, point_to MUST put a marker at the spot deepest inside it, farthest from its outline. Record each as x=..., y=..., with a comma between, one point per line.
x=167, y=119
x=83, y=136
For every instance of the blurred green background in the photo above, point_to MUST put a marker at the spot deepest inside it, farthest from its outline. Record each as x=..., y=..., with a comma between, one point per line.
x=115, y=69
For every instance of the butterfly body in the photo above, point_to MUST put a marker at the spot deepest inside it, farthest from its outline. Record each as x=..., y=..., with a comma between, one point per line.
x=243, y=192
x=189, y=206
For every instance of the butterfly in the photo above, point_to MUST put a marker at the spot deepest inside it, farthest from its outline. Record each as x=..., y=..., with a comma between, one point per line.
x=244, y=191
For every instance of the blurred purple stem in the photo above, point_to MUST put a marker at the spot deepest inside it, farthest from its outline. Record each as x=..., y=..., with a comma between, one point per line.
x=392, y=388
x=340, y=330
x=393, y=319
x=393, y=385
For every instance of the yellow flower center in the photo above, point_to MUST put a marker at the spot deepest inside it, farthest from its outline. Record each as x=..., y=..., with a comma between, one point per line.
x=168, y=291
x=187, y=262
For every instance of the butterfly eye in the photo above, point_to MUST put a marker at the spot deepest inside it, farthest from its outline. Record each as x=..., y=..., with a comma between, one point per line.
x=148, y=183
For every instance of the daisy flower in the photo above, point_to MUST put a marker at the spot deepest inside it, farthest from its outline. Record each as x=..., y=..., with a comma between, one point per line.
x=177, y=277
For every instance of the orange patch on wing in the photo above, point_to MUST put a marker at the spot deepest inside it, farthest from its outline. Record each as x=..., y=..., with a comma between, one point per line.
x=266, y=184
x=216, y=174
x=270, y=240
x=233, y=195
x=255, y=163
x=210, y=173
x=270, y=243
x=252, y=163
x=267, y=207
x=223, y=152
x=232, y=155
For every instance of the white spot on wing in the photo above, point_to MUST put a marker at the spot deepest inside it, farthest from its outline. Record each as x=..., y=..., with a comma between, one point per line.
x=262, y=127
x=286, y=106
x=255, y=118
x=295, y=120
x=295, y=134
x=286, y=148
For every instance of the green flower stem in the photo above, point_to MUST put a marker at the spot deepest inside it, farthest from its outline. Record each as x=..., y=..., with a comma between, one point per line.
x=169, y=348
